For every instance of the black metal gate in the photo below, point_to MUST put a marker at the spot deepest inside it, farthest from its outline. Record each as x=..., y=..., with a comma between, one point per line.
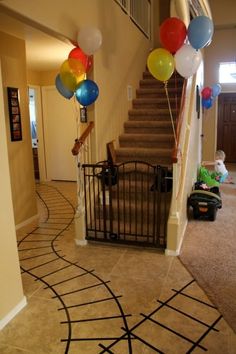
x=127, y=203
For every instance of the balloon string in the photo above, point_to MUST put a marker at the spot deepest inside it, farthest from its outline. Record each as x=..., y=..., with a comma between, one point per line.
x=77, y=115
x=176, y=94
x=171, y=116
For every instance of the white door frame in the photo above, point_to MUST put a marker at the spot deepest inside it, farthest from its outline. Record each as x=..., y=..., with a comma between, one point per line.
x=40, y=133
x=60, y=119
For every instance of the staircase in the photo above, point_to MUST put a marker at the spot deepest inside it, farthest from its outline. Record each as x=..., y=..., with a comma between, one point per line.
x=148, y=134
x=129, y=201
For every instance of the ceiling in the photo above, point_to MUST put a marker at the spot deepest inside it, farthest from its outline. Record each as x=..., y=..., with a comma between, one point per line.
x=43, y=52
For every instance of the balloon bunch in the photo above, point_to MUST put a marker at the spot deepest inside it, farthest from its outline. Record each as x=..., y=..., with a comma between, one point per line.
x=209, y=94
x=72, y=77
x=181, y=47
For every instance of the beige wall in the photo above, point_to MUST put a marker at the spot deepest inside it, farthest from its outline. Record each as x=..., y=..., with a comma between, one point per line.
x=11, y=293
x=222, y=48
x=223, y=12
x=41, y=78
x=191, y=151
x=119, y=62
x=185, y=170
x=161, y=11
x=12, y=52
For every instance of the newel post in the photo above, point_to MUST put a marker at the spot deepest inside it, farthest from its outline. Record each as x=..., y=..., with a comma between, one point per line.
x=79, y=218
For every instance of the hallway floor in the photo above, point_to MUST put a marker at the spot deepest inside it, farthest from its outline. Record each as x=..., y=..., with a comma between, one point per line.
x=105, y=299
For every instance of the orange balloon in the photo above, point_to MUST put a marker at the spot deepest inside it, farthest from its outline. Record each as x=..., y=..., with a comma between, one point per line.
x=72, y=71
x=75, y=66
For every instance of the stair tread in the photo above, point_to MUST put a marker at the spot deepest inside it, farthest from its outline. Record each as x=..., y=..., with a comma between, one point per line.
x=144, y=151
x=153, y=99
x=148, y=124
x=174, y=76
x=159, y=89
x=145, y=136
x=149, y=77
x=149, y=110
x=148, y=132
x=141, y=230
x=136, y=166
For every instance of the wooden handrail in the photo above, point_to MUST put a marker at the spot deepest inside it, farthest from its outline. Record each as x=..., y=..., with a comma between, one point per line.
x=79, y=142
x=179, y=124
x=111, y=154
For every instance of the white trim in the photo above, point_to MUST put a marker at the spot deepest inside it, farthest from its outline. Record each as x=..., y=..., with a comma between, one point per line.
x=81, y=242
x=13, y=313
x=28, y=221
x=40, y=132
x=171, y=252
x=177, y=251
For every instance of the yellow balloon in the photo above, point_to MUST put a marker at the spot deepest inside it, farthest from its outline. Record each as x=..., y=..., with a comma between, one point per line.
x=160, y=63
x=72, y=71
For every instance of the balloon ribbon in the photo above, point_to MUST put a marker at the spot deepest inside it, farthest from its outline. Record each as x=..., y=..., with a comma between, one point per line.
x=171, y=116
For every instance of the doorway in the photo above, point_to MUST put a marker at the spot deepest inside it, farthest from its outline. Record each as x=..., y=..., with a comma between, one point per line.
x=33, y=128
x=226, y=130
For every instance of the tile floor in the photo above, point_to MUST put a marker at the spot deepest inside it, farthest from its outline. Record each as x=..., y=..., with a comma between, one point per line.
x=105, y=299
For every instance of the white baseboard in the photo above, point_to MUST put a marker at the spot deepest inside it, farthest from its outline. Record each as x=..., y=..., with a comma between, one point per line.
x=177, y=251
x=171, y=252
x=81, y=242
x=26, y=222
x=13, y=313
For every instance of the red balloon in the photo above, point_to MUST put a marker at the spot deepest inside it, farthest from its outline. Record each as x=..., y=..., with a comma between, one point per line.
x=206, y=93
x=172, y=34
x=86, y=60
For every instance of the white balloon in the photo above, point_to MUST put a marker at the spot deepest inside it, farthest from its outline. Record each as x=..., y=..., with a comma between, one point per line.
x=187, y=60
x=89, y=40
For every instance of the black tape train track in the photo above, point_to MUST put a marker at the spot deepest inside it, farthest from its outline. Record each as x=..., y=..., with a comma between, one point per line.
x=38, y=250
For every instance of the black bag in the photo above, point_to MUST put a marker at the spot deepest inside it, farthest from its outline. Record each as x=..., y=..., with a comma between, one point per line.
x=165, y=183
x=108, y=175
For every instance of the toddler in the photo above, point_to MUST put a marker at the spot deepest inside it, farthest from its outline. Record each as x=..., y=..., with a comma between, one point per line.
x=222, y=174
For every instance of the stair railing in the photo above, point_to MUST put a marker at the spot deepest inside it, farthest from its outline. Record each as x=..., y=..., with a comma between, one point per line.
x=79, y=142
x=82, y=152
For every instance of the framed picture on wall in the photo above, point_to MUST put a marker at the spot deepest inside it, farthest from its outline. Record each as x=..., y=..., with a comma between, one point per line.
x=14, y=113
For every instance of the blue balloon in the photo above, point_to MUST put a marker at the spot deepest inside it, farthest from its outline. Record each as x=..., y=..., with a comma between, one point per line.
x=200, y=31
x=216, y=90
x=62, y=89
x=87, y=92
x=207, y=103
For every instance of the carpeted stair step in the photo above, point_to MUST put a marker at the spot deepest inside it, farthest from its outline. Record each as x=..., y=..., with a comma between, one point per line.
x=148, y=133
x=146, y=140
x=153, y=102
x=155, y=156
x=149, y=80
x=148, y=114
x=174, y=77
x=136, y=192
x=158, y=92
x=144, y=172
x=132, y=210
x=140, y=232
x=152, y=82
x=148, y=127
